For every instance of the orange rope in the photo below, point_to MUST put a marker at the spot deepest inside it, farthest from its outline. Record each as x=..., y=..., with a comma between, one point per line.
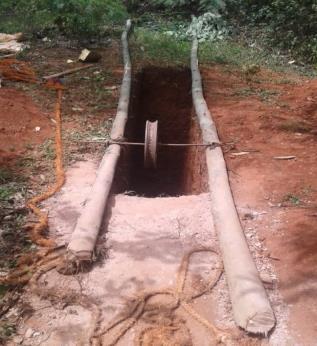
x=37, y=230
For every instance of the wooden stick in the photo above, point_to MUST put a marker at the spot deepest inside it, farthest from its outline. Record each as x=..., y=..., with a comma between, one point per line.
x=251, y=308
x=67, y=72
x=84, y=237
x=8, y=56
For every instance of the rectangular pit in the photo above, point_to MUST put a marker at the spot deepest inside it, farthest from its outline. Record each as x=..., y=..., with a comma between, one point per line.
x=163, y=94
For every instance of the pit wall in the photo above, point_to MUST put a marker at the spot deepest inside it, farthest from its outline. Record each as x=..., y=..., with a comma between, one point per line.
x=163, y=94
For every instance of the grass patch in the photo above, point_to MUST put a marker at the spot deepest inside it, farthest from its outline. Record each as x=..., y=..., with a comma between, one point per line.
x=151, y=45
x=72, y=17
x=264, y=94
x=47, y=150
x=6, y=331
x=295, y=126
x=157, y=47
x=244, y=92
x=285, y=81
x=5, y=175
x=301, y=196
x=6, y=192
x=291, y=198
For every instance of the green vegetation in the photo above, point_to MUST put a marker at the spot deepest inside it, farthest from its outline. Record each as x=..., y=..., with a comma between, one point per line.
x=152, y=44
x=12, y=214
x=295, y=126
x=5, y=175
x=47, y=150
x=71, y=17
x=187, y=6
x=6, y=191
x=288, y=24
x=6, y=330
x=291, y=198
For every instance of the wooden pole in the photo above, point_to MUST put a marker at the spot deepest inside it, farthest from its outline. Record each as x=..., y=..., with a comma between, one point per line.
x=251, y=308
x=67, y=72
x=84, y=237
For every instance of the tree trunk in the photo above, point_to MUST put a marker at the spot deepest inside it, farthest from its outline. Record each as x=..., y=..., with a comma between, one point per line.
x=251, y=308
x=86, y=231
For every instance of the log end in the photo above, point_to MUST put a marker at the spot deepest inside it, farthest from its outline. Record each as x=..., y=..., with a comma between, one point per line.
x=261, y=323
x=79, y=255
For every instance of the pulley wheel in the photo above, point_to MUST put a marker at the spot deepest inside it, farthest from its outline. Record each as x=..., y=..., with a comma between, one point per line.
x=150, y=144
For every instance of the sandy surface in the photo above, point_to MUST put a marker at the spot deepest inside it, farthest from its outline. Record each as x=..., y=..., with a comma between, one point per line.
x=143, y=241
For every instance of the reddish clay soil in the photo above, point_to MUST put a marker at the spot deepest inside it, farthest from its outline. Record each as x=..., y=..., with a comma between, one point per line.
x=19, y=118
x=285, y=191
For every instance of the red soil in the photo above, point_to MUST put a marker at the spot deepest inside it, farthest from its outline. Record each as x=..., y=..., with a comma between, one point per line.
x=285, y=190
x=255, y=114
x=19, y=117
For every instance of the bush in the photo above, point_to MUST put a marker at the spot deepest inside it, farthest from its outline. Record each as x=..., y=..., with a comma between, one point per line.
x=189, y=6
x=207, y=27
x=291, y=24
x=71, y=17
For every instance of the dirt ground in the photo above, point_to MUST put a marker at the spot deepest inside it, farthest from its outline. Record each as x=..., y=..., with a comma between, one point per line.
x=283, y=191
x=20, y=120
x=268, y=116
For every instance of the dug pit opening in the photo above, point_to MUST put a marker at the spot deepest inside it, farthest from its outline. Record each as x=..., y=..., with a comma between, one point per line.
x=163, y=94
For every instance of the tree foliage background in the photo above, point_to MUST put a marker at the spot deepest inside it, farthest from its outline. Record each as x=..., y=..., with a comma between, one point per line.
x=290, y=24
x=71, y=17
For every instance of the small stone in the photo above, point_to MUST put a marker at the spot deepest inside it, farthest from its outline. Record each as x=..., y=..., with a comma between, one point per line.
x=77, y=109
x=114, y=87
x=36, y=334
x=28, y=334
x=266, y=278
x=18, y=340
